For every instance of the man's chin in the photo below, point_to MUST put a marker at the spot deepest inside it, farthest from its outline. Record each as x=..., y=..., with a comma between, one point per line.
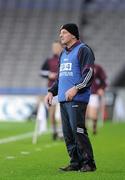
x=63, y=44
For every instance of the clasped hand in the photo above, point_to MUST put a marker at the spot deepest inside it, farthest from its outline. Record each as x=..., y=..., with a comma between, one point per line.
x=70, y=93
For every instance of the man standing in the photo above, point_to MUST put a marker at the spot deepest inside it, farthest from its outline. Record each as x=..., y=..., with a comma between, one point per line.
x=73, y=88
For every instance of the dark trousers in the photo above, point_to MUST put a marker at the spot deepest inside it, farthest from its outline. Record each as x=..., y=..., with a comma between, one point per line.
x=75, y=133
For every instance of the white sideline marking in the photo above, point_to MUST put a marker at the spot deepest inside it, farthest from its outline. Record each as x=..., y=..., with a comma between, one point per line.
x=38, y=149
x=16, y=138
x=25, y=152
x=10, y=157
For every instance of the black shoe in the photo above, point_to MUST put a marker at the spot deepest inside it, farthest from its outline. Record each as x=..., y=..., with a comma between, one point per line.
x=54, y=136
x=94, y=132
x=70, y=168
x=87, y=168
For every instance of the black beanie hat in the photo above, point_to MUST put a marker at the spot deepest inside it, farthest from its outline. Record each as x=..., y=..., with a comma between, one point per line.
x=72, y=28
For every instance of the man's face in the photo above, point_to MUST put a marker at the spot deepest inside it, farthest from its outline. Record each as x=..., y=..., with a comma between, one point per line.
x=65, y=37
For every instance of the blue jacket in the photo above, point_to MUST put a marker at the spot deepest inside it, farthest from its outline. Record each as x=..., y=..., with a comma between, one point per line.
x=75, y=69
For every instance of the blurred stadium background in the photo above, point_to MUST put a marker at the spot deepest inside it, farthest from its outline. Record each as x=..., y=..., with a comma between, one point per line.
x=27, y=30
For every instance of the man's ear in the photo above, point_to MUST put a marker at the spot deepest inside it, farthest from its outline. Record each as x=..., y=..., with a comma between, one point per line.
x=73, y=37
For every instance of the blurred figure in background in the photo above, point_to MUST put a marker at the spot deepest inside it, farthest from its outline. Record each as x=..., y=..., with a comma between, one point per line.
x=49, y=71
x=96, y=104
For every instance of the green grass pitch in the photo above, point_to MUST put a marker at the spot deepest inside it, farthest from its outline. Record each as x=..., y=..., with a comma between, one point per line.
x=22, y=160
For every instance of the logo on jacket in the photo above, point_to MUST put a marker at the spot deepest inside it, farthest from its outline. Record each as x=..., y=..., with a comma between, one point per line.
x=65, y=67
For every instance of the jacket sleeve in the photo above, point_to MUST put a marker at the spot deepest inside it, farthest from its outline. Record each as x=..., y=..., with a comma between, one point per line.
x=44, y=71
x=54, y=88
x=86, y=61
x=103, y=78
